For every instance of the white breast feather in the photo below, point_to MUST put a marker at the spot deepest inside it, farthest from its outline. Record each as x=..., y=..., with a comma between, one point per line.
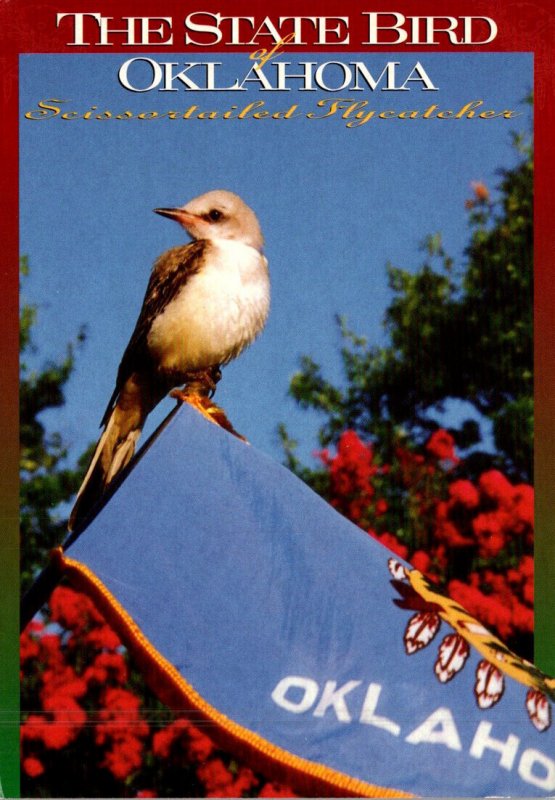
x=218, y=312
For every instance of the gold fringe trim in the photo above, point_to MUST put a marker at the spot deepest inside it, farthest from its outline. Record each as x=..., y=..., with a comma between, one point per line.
x=307, y=777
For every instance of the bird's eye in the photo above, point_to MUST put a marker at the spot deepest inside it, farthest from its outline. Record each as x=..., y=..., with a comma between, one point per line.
x=214, y=215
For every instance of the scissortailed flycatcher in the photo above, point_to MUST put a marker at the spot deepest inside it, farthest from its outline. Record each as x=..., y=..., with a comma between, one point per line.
x=205, y=302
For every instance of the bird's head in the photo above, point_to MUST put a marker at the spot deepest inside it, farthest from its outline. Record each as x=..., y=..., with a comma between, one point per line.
x=218, y=215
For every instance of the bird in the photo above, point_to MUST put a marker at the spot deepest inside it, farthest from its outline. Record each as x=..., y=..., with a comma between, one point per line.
x=205, y=302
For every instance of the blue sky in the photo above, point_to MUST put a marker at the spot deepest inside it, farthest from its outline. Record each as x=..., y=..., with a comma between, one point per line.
x=335, y=205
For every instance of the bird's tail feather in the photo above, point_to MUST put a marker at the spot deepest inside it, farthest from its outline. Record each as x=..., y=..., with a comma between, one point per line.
x=113, y=452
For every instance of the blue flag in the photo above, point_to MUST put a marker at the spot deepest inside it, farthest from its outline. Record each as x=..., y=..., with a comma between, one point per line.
x=309, y=648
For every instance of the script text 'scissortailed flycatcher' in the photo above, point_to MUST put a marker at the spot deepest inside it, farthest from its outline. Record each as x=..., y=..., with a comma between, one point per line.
x=205, y=302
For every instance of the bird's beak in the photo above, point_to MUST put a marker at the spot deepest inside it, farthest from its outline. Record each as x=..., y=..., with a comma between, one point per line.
x=178, y=214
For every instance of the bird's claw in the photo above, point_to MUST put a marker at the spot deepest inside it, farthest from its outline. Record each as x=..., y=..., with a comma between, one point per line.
x=208, y=409
x=214, y=375
x=201, y=382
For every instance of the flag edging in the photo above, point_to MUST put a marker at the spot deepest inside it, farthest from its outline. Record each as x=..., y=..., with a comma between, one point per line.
x=165, y=680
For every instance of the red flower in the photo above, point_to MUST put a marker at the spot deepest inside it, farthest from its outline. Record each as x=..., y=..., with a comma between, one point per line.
x=442, y=445
x=146, y=793
x=523, y=617
x=216, y=777
x=489, y=529
x=105, y=667
x=526, y=567
x=381, y=507
x=32, y=767
x=51, y=650
x=61, y=680
x=392, y=542
x=448, y=533
x=465, y=493
x=182, y=740
x=102, y=638
x=200, y=746
x=119, y=715
x=56, y=735
x=72, y=610
x=68, y=718
x=528, y=592
x=35, y=626
x=351, y=472
x=65, y=720
x=244, y=781
x=63, y=705
x=523, y=508
x=29, y=647
x=496, y=486
x=421, y=561
x=276, y=790
x=124, y=757
x=521, y=583
x=32, y=728
x=490, y=612
x=116, y=699
x=350, y=445
x=121, y=730
x=162, y=742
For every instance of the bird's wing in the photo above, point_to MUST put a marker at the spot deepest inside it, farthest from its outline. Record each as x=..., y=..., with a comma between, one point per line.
x=170, y=272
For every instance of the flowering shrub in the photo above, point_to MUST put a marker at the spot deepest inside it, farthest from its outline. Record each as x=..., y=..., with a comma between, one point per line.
x=474, y=538
x=92, y=728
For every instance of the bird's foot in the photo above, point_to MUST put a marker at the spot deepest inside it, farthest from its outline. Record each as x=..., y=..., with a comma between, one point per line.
x=215, y=376
x=203, y=382
x=208, y=409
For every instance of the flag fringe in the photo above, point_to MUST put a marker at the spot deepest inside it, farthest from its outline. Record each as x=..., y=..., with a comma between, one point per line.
x=306, y=777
